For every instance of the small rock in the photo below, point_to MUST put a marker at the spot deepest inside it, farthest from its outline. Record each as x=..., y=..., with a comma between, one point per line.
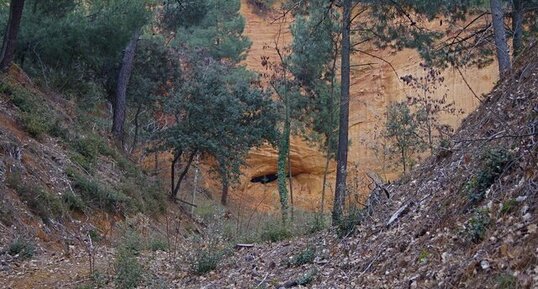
x=445, y=256
x=521, y=199
x=484, y=264
x=524, y=209
x=527, y=217
x=532, y=228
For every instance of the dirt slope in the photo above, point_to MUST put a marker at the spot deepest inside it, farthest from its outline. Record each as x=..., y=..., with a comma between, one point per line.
x=466, y=218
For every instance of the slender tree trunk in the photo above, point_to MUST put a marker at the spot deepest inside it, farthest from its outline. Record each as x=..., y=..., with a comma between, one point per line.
x=517, y=26
x=184, y=173
x=224, y=182
x=137, y=125
x=341, y=159
x=281, y=170
x=499, y=33
x=172, y=172
x=225, y=189
x=290, y=174
x=329, y=135
x=195, y=187
x=120, y=100
x=10, y=37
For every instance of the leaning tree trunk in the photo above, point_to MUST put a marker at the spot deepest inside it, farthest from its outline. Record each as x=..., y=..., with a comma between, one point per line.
x=120, y=101
x=10, y=37
x=517, y=26
x=499, y=33
x=341, y=158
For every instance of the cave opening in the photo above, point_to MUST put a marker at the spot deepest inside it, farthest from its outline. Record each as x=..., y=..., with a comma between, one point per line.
x=265, y=178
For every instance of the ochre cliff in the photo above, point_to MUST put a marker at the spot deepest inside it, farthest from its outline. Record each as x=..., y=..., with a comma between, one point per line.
x=373, y=88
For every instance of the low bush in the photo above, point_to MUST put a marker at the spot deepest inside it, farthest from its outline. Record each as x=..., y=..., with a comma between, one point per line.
x=476, y=227
x=129, y=272
x=96, y=195
x=493, y=164
x=346, y=226
x=274, y=232
x=22, y=247
x=304, y=257
x=40, y=202
x=206, y=260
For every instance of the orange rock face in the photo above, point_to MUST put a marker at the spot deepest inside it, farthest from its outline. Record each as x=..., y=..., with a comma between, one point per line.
x=373, y=88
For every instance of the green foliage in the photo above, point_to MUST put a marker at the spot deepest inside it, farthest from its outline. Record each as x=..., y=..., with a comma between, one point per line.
x=36, y=117
x=96, y=195
x=423, y=257
x=261, y=6
x=275, y=232
x=157, y=243
x=73, y=202
x=88, y=147
x=219, y=32
x=401, y=127
x=506, y=281
x=493, y=164
x=508, y=206
x=206, y=260
x=75, y=41
x=22, y=247
x=306, y=256
x=316, y=224
x=346, y=226
x=41, y=202
x=220, y=113
x=476, y=227
x=129, y=271
x=307, y=277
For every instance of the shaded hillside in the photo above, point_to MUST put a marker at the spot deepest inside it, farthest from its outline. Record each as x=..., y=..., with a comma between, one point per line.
x=466, y=218
x=63, y=187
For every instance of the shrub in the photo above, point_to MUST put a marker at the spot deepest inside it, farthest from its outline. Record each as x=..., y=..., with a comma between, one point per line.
x=274, y=232
x=494, y=162
x=307, y=277
x=36, y=124
x=128, y=269
x=206, y=260
x=98, y=196
x=40, y=202
x=316, y=224
x=158, y=244
x=506, y=281
x=73, y=202
x=304, y=257
x=475, y=230
x=346, y=226
x=22, y=247
x=508, y=206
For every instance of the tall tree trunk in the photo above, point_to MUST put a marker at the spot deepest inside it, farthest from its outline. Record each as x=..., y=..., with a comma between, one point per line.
x=341, y=158
x=120, y=101
x=137, y=127
x=172, y=172
x=224, y=182
x=290, y=176
x=499, y=33
x=517, y=26
x=183, y=174
x=10, y=37
x=283, y=148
